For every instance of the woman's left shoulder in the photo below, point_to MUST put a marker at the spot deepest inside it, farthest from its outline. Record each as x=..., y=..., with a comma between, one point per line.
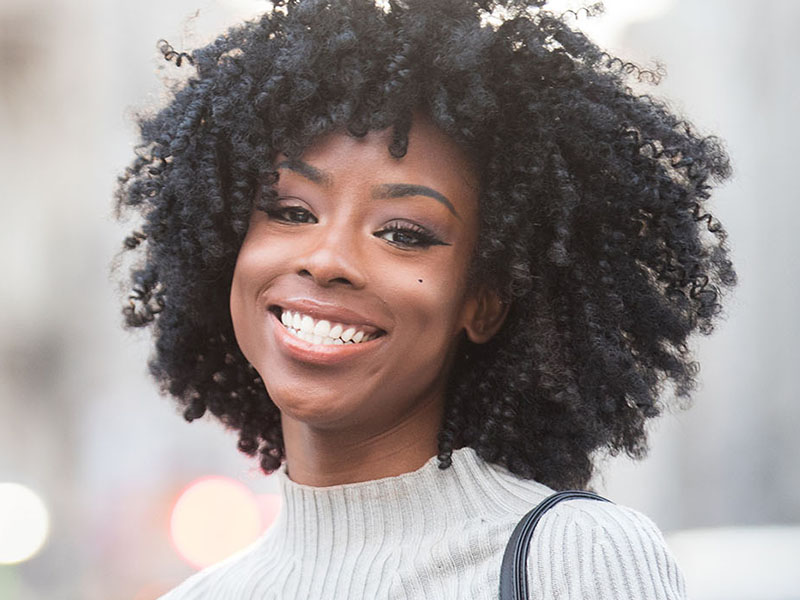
x=591, y=549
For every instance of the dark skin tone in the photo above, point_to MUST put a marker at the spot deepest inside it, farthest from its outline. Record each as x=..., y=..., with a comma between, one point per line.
x=359, y=239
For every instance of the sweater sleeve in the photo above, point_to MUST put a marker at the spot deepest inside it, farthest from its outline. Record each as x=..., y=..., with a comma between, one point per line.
x=588, y=549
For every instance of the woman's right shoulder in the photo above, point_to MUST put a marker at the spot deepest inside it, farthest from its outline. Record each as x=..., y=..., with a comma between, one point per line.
x=204, y=584
x=589, y=549
x=215, y=581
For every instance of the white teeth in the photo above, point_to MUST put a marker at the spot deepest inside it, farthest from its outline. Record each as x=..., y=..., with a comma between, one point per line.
x=307, y=324
x=322, y=332
x=322, y=328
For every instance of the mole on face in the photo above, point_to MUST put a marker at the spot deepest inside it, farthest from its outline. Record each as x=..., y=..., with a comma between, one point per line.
x=420, y=280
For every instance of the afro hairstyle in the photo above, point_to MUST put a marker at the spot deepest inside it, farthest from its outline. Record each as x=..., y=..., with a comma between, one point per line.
x=592, y=206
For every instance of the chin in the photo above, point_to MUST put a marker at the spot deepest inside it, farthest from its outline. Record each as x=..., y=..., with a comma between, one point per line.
x=321, y=408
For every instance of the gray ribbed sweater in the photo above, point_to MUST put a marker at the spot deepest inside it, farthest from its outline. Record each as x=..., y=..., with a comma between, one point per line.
x=440, y=534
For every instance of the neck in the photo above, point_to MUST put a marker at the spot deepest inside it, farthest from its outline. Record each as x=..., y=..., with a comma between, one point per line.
x=325, y=457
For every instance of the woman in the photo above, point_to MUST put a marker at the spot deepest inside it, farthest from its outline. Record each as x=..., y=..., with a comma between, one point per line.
x=428, y=264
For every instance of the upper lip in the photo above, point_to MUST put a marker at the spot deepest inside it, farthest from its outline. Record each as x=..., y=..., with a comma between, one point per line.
x=335, y=313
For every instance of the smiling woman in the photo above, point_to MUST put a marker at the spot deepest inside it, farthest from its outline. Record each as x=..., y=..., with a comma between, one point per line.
x=454, y=238
x=340, y=244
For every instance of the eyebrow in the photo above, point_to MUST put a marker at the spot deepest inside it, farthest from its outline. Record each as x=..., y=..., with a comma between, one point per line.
x=402, y=190
x=385, y=191
x=306, y=170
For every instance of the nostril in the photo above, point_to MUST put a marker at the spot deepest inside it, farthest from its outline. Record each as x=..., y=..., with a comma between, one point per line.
x=324, y=280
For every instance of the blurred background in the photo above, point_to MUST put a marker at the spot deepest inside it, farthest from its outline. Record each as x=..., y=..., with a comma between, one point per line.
x=106, y=493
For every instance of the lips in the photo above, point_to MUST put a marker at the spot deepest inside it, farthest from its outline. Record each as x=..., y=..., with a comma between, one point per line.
x=323, y=333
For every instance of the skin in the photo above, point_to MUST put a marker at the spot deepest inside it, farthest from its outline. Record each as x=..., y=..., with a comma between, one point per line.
x=328, y=247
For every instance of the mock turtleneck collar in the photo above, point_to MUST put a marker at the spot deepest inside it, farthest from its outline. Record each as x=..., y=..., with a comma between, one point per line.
x=439, y=497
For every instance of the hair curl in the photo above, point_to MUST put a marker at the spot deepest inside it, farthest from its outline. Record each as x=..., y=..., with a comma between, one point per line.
x=593, y=223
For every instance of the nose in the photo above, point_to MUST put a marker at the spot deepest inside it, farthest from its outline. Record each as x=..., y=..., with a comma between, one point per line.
x=332, y=257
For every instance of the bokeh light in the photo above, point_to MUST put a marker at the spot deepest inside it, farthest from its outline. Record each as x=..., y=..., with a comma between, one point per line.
x=270, y=505
x=213, y=518
x=152, y=591
x=24, y=523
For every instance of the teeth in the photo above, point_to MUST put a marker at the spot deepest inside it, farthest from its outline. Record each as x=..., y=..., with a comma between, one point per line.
x=322, y=331
x=322, y=328
x=307, y=324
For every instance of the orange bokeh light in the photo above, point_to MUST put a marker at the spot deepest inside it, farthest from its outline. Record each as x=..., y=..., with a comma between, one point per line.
x=213, y=518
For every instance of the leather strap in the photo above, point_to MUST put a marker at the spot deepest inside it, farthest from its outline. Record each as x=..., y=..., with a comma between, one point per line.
x=514, y=569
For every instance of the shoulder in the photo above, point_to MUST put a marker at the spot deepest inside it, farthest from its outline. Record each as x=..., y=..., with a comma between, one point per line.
x=203, y=584
x=214, y=581
x=591, y=549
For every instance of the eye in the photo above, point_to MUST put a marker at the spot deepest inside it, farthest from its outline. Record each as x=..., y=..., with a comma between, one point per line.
x=409, y=235
x=289, y=213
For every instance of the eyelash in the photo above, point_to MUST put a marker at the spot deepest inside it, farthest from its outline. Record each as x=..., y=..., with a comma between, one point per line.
x=419, y=236
x=280, y=213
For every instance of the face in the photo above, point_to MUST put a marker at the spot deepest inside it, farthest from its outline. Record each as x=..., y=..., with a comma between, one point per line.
x=350, y=290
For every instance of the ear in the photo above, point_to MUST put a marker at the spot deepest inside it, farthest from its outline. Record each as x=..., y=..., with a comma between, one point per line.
x=485, y=315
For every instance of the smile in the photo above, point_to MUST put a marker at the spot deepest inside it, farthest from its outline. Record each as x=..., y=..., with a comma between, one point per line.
x=323, y=332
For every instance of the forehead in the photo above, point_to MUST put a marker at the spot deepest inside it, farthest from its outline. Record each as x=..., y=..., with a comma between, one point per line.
x=433, y=159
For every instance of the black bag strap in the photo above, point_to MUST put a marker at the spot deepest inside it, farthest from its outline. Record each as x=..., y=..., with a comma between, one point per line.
x=514, y=569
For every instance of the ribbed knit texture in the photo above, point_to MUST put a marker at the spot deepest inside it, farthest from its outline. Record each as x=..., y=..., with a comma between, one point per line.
x=438, y=534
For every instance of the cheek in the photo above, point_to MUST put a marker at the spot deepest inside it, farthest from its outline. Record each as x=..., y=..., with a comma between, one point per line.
x=245, y=273
x=431, y=297
x=429, y=306
x=251, y=272
x=239, y=309
x=259, y=260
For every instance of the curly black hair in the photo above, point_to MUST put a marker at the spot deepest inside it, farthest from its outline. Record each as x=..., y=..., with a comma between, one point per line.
x=592, y=203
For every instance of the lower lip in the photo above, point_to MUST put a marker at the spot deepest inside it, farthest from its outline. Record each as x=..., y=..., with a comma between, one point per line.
x=320, y=354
